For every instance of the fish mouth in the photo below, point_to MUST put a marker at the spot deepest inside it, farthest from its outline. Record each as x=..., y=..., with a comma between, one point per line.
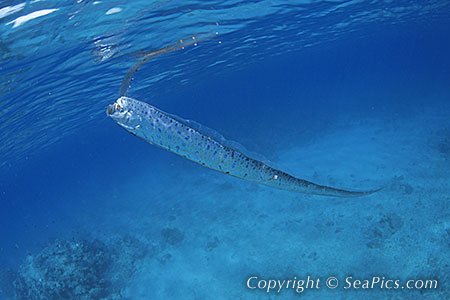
x=113, y=108
x=119, y=112
x=110, y=110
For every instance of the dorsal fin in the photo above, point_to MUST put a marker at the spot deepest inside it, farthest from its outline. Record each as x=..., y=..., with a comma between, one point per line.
x=221, y=139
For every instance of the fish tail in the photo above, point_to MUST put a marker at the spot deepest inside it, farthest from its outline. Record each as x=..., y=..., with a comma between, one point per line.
x=343, y=193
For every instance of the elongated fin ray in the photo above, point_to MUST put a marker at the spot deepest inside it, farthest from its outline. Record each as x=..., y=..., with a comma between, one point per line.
x=147, y=56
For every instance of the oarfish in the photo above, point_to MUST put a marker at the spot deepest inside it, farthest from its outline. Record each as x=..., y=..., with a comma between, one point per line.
x=183, y=138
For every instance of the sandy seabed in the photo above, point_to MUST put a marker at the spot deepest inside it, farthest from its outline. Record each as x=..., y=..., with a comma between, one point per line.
x=191, y=233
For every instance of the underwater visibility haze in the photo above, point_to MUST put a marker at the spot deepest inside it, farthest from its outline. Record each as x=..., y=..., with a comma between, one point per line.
x=311, y=98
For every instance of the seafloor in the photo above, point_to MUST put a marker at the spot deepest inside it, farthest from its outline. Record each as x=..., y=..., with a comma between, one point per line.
x=206, y=234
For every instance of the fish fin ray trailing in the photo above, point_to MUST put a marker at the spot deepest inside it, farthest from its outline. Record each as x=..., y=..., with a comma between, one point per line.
x=146, y=56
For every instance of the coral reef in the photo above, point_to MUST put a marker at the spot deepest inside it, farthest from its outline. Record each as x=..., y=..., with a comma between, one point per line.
x=126, y=252
x=383, y=229
x=65, y=270
x=172, y=236
x=212, y=243
x=442, y=142
x=398, y=184
x=163, y=259
x=443, y=145
x=79, y=269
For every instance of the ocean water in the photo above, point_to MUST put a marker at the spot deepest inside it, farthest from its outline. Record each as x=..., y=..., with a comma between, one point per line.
x=351, y=94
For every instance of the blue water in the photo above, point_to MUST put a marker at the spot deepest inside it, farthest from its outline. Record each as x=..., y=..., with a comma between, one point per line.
x=350, y=94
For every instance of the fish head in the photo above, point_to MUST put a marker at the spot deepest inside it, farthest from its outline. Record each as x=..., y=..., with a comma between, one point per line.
x=125, y=114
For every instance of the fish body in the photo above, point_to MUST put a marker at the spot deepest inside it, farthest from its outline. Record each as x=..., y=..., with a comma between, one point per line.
x=183, y=138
